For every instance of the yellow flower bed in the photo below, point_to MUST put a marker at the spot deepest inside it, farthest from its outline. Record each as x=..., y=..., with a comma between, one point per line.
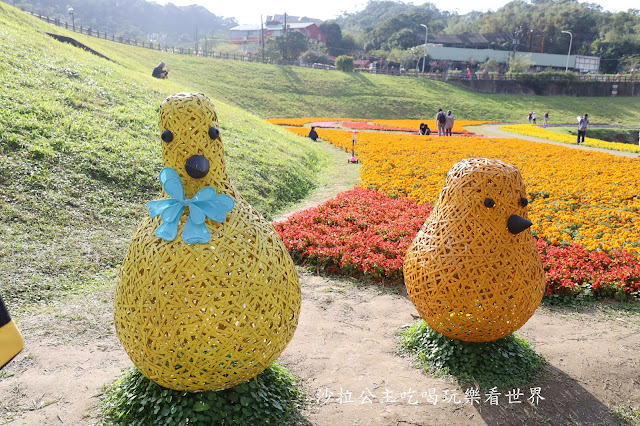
x=587, y=197
x=539, y=132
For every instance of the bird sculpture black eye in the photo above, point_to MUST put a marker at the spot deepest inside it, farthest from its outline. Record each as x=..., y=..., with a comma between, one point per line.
x=489, y=202
x=524, y=202
x=214, y=133
x=167, y=136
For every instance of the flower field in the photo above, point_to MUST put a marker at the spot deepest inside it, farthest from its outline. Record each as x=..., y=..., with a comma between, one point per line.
x=539, y=132
x=365, y=233
x=385, y=125
x=307, y=120
x=584, y=205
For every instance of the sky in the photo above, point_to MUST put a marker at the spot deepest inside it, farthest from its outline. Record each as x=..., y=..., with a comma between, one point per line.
x=249, y=11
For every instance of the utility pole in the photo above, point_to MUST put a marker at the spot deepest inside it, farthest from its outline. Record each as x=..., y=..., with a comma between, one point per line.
x=530, y=39
x=426, y=35
x=262, y=37
x=284, y=38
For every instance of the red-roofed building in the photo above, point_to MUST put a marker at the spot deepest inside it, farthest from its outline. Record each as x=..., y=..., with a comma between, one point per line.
x=248, y=36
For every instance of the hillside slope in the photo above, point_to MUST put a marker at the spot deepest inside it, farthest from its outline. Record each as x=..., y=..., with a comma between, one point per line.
x=80, y=156
x=284, y=91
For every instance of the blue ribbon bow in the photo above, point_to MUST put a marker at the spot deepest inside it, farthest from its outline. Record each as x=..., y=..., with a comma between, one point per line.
x=206, y=203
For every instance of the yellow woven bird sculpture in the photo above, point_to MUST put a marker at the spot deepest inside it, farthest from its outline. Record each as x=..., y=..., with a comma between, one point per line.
x=207, y=296
x=473, y=271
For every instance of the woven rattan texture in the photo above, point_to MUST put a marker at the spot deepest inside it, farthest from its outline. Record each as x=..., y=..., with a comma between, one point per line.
x=205, y=316
x=467, y=275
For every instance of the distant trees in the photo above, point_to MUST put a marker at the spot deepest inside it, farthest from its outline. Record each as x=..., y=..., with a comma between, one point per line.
x=383, y=25
x=137, y=19
x=387, y=25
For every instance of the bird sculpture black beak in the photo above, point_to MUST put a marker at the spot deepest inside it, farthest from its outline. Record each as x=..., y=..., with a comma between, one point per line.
x=197, y=166
x=516, y=224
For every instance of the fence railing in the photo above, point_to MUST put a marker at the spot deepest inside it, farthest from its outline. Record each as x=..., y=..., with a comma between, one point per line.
x=443, y=76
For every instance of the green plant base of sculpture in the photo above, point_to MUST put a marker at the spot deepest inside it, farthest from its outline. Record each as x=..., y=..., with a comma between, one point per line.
x=502, y=363
x=271, y=398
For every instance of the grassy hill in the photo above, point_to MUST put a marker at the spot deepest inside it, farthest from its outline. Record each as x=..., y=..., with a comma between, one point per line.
x=283, y=91
x=80, y=156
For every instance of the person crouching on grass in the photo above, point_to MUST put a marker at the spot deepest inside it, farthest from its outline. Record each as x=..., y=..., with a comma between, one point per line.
x=160, y=72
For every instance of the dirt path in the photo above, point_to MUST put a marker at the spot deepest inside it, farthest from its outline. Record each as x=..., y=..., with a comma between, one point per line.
x=345, y=344
x=493, y=130
x=344, y=354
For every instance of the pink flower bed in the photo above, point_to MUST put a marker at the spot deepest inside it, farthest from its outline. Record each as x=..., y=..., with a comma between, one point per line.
x=326, y=124
x=367, y=126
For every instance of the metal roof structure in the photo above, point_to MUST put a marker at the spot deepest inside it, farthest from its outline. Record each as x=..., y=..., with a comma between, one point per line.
x=269, y=26
x=470, y=39
x=456, y=54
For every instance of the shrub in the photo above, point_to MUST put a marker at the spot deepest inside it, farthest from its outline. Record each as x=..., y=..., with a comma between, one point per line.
x=344, y=63
x=311, y=57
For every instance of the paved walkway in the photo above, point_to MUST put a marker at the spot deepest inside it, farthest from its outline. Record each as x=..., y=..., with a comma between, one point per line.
x=493, y=130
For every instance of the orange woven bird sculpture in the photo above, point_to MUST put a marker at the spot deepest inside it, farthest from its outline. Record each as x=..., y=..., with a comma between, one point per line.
x=207, y=296
x=473, y=271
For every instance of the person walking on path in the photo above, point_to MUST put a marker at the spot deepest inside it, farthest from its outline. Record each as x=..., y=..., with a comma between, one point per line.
x=530, y=116
x=441, y=120
x=448, y=125
x=546, y=118
x=582, y=127
x=534, y=116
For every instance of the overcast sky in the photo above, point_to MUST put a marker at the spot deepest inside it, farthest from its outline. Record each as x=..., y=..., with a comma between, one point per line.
x=249, y=11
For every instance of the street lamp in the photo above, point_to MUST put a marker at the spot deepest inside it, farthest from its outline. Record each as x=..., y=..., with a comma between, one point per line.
x=569, y=53
x=426, y=35
x=73, y=20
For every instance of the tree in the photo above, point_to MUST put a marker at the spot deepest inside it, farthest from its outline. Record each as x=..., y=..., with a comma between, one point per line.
x=292, y=45
x=403, y=39
x=344, y=63
x=312, y=57
x=334, y=37
x=491, y=65
x=519, y=63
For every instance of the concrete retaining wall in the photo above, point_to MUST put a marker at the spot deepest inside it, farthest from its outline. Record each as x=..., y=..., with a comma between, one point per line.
x=579, y=88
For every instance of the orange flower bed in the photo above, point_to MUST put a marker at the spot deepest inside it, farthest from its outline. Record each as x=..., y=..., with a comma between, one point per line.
x=340, y=138
x=590, y=198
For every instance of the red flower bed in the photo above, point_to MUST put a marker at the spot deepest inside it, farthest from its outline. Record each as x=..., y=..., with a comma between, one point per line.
x=572, y=270
x=360, y=233
x=366, y=233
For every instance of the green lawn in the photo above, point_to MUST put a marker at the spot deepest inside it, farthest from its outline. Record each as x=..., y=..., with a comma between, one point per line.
x=626, y=135
x=80, y=156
